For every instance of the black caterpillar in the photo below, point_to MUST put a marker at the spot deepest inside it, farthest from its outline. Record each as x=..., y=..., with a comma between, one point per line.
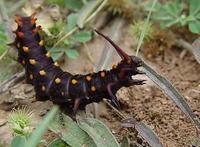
x=63, y=88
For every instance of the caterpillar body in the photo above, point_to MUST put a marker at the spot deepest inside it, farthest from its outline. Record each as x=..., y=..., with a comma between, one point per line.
x=63, y=88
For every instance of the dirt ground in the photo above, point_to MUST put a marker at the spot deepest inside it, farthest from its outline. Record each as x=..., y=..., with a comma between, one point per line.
x=146, y=103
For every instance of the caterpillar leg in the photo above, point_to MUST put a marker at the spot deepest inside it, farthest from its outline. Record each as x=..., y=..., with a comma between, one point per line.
x=76, y=105
x=131, y=82
x=113, y=98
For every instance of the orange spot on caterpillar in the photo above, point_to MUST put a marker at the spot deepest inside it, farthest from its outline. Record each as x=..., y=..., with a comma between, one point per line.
x=56, y=64
x=88, y=78
x=18, y=45
x=33, y=21
x=23, y=62
x=102, y=74
x=114, y=66
x=129, y=61
x=32, y=61
x=43, y=88
x=48, y=54
x=37, y=29
x=93, y=88
x=25, y=49
x=41, y=43
x=20, y=34
x=57, y=80
x=31, y=76
x=42, y=72
x=74, y=81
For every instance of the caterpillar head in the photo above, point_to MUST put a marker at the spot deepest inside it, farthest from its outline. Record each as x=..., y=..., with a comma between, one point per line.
x=25, y=24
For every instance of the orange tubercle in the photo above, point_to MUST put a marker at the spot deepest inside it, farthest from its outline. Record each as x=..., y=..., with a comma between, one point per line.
x=20, y=34
x=18, y=20
x=37, y=29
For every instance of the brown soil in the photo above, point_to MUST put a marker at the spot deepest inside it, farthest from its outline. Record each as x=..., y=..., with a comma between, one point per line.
x=146, y=103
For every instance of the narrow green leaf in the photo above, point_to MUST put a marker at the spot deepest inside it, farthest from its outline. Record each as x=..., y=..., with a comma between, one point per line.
x=71, y=21
x=18, y=141
x=99, y=132
x=83, y=36
x=71, y=53
x=194, y=27
x=8, y=70
x=145, y=28
x=73, y=4
x=167, y=87
x=143, y=130
x=36, y=136
x=71, y=133
x=58, y=143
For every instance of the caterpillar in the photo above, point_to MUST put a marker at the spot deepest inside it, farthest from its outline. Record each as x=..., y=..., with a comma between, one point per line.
x=63, y=88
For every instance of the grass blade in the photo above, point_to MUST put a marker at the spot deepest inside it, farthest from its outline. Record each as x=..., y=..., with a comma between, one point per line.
x=36, y=136
x=145, y=28
x=167, y=87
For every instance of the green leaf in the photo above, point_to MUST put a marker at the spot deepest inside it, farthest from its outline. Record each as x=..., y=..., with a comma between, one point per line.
x=170, y=14
x=71, y=53
x=71, y=133
x=71, y=21
x=3, y=48
x=36, y=136
x=18, y=141
x=194, y=27
x=56, y=55
x=58, y=2
x=174, y=8
x=194, y=7
x=55, y=29
x=3, y=39
x=73, y=4
x=58, y=143
x=82, y=36
x=99, y=132
x=8, y=70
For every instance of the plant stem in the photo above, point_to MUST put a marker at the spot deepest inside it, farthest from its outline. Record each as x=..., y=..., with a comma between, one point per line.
x=76, y=28
x=4, y=54
x=145, y=28
x=97, y=11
